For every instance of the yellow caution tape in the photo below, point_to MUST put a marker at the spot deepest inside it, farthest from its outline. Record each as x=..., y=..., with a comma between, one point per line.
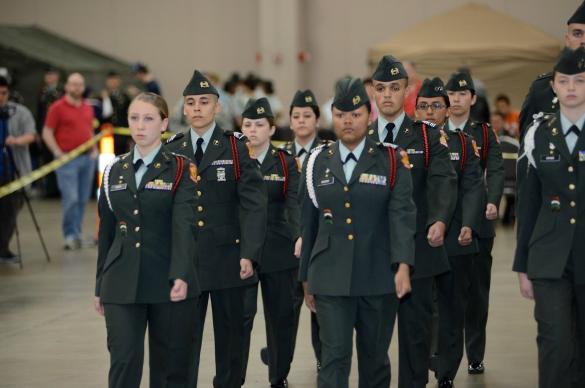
x=126, y=132
x=510, y=155
x=48, y=168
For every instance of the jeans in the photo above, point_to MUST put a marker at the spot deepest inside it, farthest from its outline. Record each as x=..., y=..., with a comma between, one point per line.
x=75, y=181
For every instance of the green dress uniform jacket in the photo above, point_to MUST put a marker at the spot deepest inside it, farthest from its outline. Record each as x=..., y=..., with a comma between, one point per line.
x=232, y=213
x=492, y=166
x=547, y=233
x=292, y=147
x=283, y=211
x=372, y=227
x=434, y=190
x=147, y=238
x=469, y=209
x=540, y=98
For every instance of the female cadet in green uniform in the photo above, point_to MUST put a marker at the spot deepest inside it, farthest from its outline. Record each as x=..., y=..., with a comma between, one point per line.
x=145, y=273
x=551, y=224
x=432, y=105
x=282, y=246
x=358, y=221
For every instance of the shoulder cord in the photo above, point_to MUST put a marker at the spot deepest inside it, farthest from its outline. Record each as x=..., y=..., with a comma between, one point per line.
x=529, y=143
x=179, y=173
x=310, y=167
x=236, y=157
x=285, y=170
x=106, y=180
x=426, y=145
x=463, y=149
x=392, y=154
x=485, y=143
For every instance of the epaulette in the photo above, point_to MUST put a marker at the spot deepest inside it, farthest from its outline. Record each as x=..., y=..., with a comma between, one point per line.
x=284, y=151
x=428, y=123
x=544, y=76
x=286, y=145
x=176, y=136
x=123, y=156
x=180, y=155
x=387, y=145
x=320, y=147
x=237, y=135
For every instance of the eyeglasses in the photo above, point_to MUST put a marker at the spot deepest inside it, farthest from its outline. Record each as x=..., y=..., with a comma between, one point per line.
x=434, y=106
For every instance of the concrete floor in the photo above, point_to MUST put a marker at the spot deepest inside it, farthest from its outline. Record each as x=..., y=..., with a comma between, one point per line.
x=50, y=335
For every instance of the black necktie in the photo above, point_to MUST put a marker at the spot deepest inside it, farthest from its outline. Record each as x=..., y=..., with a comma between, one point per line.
x=573, y=129
x=137, y=164
x=390, y=136
x=349, y=157
x=457, y=129
x=199, y=152
x=302, y=151
x=258, y=163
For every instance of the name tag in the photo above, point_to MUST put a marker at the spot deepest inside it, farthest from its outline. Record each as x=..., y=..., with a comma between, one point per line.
x=372, y=179
x=121, y=186
x=550, y=158
x=326, y=181
x=158, y=184
x=454, y=156
x=582, y=156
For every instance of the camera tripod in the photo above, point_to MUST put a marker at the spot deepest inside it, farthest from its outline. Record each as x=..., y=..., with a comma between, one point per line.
x=7, y=159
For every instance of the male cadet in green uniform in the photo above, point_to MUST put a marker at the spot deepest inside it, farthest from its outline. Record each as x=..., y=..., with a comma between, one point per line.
x=435, y=195
x=304, y=121
x=432, y=105
x=462, y=96
x=115, y=104
x=232, y=222
x=357, y=223
x=551, y=226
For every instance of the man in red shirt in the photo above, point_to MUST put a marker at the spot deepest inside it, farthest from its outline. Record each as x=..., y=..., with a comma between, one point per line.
x=69, y=125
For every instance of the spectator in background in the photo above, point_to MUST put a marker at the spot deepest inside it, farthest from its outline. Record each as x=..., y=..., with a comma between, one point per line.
x=69, y=125
x=274, y=101
x=17, y=131
x=145, y=77
x=498, y=123
x=369, y=88
x=115, y=104
x=244, y=91
x=511, y=117
x=414, y=83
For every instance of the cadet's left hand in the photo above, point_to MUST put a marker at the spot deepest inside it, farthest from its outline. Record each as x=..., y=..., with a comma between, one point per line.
x=298, y=245
x=246, y=269
x=179, y=291
x=491, y=212
x=402, y=280
x=436, y=234
x=465, y=236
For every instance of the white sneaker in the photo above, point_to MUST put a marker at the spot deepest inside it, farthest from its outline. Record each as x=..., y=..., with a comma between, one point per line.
x=71, y=243
x=85, y=242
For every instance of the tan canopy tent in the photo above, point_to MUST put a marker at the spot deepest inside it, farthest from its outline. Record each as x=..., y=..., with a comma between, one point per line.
x=505, y=53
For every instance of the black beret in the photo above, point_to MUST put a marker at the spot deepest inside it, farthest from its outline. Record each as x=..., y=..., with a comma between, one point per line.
x=389, y=69
x=571, y=61
x=257, y=109
x=433, y=88
x=460, y=81
x=350, y=95
x=578, y=16
x=199, y=85
x=304, y=98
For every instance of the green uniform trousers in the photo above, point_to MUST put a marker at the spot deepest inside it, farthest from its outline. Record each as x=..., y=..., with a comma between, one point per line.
x=373, y=319
x=560, y=314
x=299, y=303
x=452, y=295
x=227, y=307
x=476, y=315
x=170, y=330
x=415, y=321
x=279, y=314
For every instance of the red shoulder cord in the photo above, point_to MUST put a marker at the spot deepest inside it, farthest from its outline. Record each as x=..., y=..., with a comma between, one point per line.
x=485, y=143
x=236, y=157
x=463, y=150
x=285, y=170
x=392, y=154
x=179, y=173
x=426, y=145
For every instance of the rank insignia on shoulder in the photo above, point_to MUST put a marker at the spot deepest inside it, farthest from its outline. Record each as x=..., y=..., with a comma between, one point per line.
x=405, y=161
x=475, y=150
x=193, y=172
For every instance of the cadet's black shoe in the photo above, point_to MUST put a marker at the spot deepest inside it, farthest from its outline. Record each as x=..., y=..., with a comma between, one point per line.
x=446, y=384
x=433, y=363
x=318, y=366
x=475, y=368
x=9, y=257
x=264, y=355
x=281, y=384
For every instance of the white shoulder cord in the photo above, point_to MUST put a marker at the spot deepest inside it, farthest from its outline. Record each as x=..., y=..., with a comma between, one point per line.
x=106, y=180
x=529, y=144
x=310, y=166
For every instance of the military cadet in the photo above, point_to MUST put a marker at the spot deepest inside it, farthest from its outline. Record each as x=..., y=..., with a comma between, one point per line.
x=432, y=105
x=551, y=224
x=435, y=195
x=282, y=247
x=232, y=222
x=461, y=93
x=358, y=223
x=145, y=274
x=115, y=109
x=304, y=121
